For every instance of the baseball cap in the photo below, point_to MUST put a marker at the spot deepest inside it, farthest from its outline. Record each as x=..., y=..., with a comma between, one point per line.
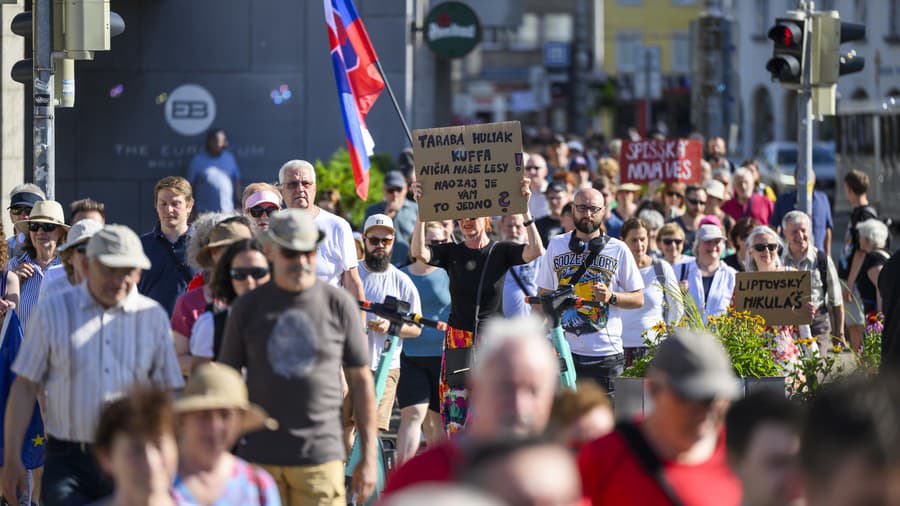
x=263, y=197
x=711, y=219
x=696, y=366
x=378, y=220
x=709, y=233
x=394, y=179
x=576, y=145
x=714, y=188
x=117, y=246
x=81, y=232
x=28, y=199
x=292, y=229
x=218, y=386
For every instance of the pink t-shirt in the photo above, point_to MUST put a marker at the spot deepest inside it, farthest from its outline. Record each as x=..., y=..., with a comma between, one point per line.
x=188, y=308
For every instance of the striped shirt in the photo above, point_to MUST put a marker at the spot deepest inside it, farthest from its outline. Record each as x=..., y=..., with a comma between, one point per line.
x=84, y=356
x=30, y=289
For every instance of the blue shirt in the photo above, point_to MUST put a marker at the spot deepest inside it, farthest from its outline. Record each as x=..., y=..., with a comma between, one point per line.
x=821, y=214
x=212, y=179
x=404, y=222
x=513, y=297
x=614, y=225
x=434, y=294
x=169, y=273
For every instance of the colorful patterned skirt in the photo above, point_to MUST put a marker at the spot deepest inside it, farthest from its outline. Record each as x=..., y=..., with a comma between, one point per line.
x=454, y=400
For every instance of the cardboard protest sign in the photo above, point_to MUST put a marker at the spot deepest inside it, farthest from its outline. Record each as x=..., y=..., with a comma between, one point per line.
x=669, y=161
x=779, y=297
x=469, y=171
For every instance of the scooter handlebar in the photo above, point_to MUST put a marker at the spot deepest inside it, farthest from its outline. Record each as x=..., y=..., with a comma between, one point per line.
x=401, y=317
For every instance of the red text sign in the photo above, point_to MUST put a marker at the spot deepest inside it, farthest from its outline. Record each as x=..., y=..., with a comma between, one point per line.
x=670, y=161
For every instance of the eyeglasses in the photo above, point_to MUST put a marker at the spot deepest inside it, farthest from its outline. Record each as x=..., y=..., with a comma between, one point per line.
x=290, y=254
x=293, y=185
x=242, y=273
x=582, y=208
x=46, y=227
x=675, y=194
x=762, y=247
x=669, y=241
x=394, y=189
x=383, y=241
x=19, y=210
x=258, y=211
x=697, y=202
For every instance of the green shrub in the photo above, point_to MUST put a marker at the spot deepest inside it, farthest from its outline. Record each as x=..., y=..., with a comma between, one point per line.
x=337, y=173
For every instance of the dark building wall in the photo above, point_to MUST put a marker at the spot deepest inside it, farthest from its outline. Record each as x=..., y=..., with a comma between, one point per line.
x=116, y=143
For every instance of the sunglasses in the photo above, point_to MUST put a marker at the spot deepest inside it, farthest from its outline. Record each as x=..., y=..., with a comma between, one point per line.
x=394, y=189
x=258, y=211
x=581, y=208
x=19, y=210
x=669, y=242
x=382, y=241
x=293, y=185
x=290, y=254
x=242, y=273
x=762, y=247
x=697, y=202
x=46, y=227
x=675, y=194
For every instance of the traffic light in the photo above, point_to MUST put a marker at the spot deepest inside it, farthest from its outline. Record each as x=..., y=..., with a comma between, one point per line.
x=786, y=64
x=79, y=27
x=828, y=33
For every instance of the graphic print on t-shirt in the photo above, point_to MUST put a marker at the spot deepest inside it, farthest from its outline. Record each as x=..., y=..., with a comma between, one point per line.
x=292, y=345
x=589, y=319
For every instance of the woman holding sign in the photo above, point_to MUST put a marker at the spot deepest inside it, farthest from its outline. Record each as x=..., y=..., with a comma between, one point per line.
x=477, y=267
x=766, y=248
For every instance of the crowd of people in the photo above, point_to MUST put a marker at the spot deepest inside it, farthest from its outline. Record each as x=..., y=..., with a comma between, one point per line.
x=222, y=357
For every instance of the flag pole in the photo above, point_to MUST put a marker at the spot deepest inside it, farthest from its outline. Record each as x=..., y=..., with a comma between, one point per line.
x=394, y=100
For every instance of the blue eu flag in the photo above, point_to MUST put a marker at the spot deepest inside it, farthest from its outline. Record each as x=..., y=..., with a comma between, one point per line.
x=35, y=441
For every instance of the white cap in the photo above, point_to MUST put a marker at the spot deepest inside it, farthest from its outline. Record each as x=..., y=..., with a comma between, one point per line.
x=379, y=220
x=710, y=233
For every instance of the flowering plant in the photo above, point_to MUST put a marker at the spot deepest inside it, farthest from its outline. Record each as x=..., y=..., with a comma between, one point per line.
x=870, y=358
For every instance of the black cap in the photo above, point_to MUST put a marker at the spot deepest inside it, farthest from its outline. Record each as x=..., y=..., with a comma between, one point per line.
x=556, y=186
x=27, y=199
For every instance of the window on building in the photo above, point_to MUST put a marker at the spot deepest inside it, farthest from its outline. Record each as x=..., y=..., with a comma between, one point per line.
x=761, y=20
x=893, y=19
x=860, y=12
x=627, y=44
x=558, y=27
x=528, y=35
x=680, y=52
x=825, y=5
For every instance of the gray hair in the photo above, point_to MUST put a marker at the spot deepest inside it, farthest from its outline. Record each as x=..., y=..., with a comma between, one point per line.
x=523, y=331
x=652, y=218
x=298, y=165
x=28, y=188
x=762, y=230
x=875, y=231
x=203, y=225
x=742, y=172
x=795, y=216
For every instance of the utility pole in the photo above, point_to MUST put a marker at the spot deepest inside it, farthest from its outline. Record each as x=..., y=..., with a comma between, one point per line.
x=42, y=89
x=805, y=117
x=580, y=62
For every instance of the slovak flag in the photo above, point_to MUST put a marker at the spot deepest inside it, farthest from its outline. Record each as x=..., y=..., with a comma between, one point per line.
x=358, y=81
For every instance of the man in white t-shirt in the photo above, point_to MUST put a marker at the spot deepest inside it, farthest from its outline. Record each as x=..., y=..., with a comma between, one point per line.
x=381, y=279
x=595, y=333
x=336, y=255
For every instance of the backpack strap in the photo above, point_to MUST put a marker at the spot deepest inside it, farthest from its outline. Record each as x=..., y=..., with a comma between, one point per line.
x=683, y=274
x=648, y=459
x=822, y=267
x=518, y=280
x=661, y=278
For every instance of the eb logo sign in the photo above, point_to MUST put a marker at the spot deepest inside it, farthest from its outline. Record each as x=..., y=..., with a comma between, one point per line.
x=190, y=110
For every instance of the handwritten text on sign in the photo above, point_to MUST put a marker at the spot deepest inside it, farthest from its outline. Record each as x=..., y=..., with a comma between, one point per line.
x=675, y=161
x=469, y=171
x=779, y=297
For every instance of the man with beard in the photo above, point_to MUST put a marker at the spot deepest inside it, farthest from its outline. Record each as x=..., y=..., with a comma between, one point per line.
x=606, y=272
x=381, y=279
x=520, y=281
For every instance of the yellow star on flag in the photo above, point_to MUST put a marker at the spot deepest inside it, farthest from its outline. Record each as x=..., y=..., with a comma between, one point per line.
x=38, y=440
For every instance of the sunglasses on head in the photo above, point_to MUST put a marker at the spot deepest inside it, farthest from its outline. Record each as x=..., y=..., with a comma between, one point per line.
x=290, y=254
x=258, y=211
x=46, y=227
x=242, y=273
x=697, y=202
x=762, y=247
x=382, y=241
x=19, y=210
x=669, y=241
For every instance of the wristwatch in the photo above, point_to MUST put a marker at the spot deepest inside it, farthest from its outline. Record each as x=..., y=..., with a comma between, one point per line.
x=613, y=300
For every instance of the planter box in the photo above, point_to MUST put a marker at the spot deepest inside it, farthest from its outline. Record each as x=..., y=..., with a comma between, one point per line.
x=632, y=398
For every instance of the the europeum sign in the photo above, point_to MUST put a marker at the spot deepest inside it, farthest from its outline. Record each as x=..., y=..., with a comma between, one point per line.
x=452, y=29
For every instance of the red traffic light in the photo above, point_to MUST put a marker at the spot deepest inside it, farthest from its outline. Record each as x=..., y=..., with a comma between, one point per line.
x=787, y=34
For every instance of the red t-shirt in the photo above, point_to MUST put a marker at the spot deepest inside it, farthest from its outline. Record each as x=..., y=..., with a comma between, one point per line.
x=188, y=308
x=758, y=207
x=435, y=465
x=612, y=475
